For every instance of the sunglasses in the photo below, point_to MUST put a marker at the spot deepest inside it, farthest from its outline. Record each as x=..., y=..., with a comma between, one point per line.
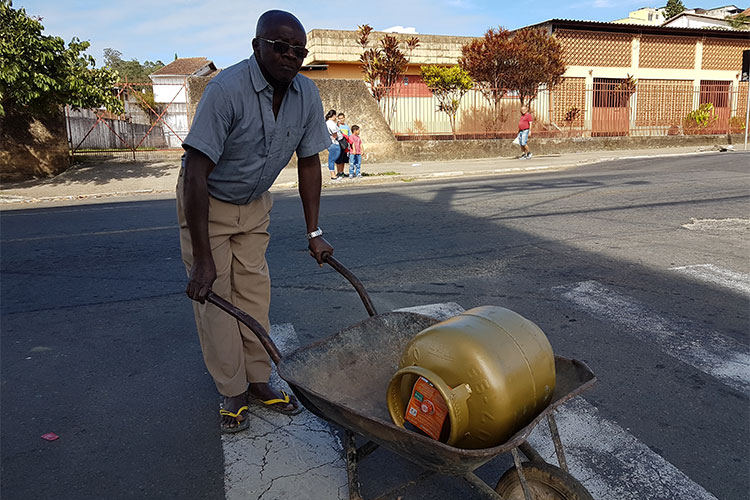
x=283, y=47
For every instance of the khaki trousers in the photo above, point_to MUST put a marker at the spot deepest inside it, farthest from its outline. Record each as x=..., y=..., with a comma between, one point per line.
x=239, y=237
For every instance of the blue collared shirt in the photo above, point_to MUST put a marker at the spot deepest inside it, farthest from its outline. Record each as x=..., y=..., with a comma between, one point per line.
x=234, y=126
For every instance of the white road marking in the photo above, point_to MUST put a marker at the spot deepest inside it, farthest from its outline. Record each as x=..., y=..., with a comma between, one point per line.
x=730, y=224
x=709, y=352
x=610, y=462
x=438, y=311
x=718, y=276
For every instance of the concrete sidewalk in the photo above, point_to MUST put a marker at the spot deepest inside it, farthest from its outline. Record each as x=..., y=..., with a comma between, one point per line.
x=118, y=178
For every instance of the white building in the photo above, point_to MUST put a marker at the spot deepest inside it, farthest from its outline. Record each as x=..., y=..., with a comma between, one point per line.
x=169, y=93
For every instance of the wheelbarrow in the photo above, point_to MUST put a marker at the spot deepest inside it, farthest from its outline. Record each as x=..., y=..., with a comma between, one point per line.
x=343, y=379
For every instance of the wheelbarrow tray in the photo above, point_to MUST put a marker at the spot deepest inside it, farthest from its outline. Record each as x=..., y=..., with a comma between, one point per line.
x=344, y=379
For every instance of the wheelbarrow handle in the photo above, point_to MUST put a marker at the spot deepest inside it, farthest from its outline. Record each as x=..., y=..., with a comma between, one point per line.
x=248, y=321
x=358, y=286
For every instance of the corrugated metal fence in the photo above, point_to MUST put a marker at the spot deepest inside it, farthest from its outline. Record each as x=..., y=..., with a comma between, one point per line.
x=155, y=119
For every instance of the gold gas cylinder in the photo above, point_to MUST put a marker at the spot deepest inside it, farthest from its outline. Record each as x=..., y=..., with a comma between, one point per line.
x=494, y=368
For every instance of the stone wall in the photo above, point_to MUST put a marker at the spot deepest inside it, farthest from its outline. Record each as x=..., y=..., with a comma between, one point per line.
x=354, y=99
x=32, y=147
x=492, y=148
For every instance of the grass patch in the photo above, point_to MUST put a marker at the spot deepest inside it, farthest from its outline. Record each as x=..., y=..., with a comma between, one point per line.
x=390, y=172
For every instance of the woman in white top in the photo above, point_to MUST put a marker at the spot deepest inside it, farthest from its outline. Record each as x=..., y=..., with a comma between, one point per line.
x=334, y=150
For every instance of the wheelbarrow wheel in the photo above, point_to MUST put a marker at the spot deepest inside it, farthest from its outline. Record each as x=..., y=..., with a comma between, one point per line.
x=545, y=481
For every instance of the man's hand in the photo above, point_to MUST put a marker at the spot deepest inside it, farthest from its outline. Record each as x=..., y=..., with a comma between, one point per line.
x=318, y=247
x=202, y=276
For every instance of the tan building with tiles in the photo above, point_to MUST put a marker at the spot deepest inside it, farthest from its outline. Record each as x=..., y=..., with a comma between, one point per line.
x=676, y=69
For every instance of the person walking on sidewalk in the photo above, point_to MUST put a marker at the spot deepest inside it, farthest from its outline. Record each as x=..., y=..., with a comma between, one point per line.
x=524, y=127
x=252, y=117
x=355, y=157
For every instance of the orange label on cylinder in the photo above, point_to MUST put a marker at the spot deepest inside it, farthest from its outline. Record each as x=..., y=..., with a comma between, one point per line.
x=426, y=409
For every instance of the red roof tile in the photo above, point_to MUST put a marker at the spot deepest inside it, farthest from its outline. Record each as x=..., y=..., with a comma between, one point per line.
x=183, y=66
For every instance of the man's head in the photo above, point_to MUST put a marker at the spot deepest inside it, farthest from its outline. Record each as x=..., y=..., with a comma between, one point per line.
x=342, y=118
x=281, y=61
x=524, y=110
x=355, y=129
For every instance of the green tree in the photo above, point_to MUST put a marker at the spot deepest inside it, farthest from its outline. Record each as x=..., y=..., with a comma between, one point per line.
x=448, y=85
x=132, y=70
x=739, y=22
x=38, y=73
x=134, y=73
x=673, y=8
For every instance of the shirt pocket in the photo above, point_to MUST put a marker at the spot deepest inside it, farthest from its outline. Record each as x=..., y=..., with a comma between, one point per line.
x=292, y=139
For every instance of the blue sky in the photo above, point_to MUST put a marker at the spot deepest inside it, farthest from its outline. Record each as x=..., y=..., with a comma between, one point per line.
x=222, y=29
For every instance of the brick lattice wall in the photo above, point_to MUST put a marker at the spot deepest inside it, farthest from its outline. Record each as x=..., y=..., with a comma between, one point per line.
x=570, y=93
x=663, y=102
x=667, y=52
x=724, y=55
x=581, y=48
x=741, y=101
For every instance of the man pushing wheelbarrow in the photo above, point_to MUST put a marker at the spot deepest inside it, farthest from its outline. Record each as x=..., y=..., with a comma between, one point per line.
x=252, y=117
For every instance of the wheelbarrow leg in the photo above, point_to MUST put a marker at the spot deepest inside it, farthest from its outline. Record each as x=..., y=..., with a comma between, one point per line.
x=351, y=465
x=521, y=475
x=557, y=441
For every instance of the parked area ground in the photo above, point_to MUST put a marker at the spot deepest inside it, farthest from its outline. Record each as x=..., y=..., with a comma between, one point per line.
x=639, y=267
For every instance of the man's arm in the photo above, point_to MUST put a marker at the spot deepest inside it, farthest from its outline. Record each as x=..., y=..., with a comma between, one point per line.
x=308, y=173
x=195, y=205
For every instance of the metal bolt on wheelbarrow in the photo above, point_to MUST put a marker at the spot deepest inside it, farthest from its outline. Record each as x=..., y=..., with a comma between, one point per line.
x=343, y=379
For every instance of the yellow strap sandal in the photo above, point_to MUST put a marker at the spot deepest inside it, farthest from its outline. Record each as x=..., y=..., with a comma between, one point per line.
x=242, y=424
x=275, y=404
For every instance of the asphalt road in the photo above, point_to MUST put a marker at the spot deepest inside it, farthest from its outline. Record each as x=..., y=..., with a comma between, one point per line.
x=99, y=347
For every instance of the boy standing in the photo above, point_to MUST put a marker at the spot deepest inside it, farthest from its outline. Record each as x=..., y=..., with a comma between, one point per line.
x=355, y=157
x=524, y=125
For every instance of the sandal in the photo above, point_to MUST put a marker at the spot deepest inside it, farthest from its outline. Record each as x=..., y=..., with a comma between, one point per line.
x=241, y=424
x=275, y=404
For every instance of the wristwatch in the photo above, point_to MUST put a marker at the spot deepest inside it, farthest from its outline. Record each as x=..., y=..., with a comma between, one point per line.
x=315, y=234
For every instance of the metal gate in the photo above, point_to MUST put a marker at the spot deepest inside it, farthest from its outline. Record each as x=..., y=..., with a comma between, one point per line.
x=145, y=126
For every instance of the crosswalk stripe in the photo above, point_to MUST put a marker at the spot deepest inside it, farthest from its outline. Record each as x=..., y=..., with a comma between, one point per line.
x=709, y=352
x=718, y=276
x=441, y=311
x=610, y=462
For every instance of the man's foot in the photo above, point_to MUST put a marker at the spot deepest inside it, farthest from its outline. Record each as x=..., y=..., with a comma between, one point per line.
x=528, y=155
x=272, y=399
x=523, y=157
x=234, y=406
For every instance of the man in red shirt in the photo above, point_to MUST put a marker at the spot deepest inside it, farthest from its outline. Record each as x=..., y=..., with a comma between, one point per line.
x=524, y=125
